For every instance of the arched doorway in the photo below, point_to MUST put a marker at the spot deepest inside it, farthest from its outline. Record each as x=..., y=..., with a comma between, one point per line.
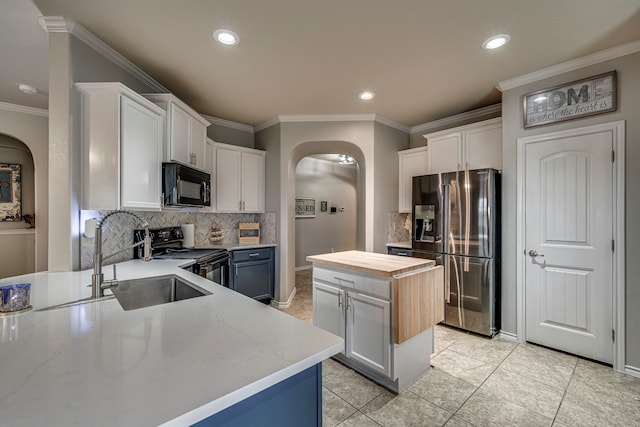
x=297, y=153
x=17, y=201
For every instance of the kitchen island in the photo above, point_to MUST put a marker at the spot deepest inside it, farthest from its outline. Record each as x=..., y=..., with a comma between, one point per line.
x=385, y=307
x=70, y=361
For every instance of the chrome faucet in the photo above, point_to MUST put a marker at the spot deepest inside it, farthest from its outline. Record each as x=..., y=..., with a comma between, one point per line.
x=97, y=278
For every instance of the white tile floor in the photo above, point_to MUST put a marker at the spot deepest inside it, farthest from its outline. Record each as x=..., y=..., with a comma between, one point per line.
x=477, y=381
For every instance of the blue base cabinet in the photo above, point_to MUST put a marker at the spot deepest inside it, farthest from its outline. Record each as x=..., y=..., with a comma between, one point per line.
x=294, y=402
x=252, y=273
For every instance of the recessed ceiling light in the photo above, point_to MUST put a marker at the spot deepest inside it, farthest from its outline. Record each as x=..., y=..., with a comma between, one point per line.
x=366, y=95
x=496, y=41
x=29, y=90
x=226, y=37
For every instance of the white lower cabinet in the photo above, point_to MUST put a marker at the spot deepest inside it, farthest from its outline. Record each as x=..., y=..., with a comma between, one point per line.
x=368, y=338
x=328, y=308
x=363, y=321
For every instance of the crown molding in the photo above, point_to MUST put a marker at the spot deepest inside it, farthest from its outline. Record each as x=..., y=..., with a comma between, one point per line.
x=331, y=118
x=228, y=123
x=572, y=65
x=454, y=120
x=25, y=110
x=387, y=122
x=58, y=24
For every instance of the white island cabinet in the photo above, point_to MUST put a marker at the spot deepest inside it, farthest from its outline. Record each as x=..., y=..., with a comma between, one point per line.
x=185, y=133
x=122, y=136
x=384, y=307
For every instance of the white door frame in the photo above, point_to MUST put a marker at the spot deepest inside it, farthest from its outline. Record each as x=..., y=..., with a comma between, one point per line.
x=617, y=129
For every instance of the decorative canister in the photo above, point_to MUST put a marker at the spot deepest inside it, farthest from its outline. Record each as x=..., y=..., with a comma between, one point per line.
x=15, y=297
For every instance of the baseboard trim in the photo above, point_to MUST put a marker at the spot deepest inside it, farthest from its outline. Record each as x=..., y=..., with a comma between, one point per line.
x=632, y=370
x=287, y=303
x=305, y=267
x=508, y=336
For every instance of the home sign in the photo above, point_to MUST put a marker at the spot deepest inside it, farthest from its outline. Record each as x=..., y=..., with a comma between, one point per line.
x=594, y=95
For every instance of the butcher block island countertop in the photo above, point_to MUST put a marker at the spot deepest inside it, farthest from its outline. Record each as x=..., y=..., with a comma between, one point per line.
x=373, y=263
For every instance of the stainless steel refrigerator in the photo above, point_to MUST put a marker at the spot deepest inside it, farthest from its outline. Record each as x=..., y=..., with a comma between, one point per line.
x=456, y=221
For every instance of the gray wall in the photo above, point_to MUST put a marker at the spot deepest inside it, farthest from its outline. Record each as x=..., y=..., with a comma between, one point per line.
x=387, y=142
x=337, y=185
x=228, y=135
x=374, y=146
x=628, y=68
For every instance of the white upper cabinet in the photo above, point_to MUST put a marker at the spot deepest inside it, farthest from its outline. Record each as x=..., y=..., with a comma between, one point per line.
x=186, y=131
x=239, y=176
x=413, y=162
x=122, y=139
x=474, y=146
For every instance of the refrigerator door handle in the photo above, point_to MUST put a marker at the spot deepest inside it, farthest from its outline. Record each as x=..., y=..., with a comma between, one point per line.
x=447, y=283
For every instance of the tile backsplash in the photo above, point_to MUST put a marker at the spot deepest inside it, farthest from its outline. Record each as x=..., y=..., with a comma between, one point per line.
x=398, y=227
x=117, y=231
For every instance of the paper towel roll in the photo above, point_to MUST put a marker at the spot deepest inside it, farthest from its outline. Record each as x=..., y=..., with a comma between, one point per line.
x=188, y=240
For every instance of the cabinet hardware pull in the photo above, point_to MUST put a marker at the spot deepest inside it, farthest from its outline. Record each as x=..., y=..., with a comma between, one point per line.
x=254, y=254
x=339, y=299
x=236, y=270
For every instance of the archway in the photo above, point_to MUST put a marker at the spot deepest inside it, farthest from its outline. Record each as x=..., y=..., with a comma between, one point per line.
x=297, y=153
x=30, y=126
x=17, y=201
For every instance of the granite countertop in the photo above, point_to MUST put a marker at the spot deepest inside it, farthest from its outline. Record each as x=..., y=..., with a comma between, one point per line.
x=370, y=262
x=403, y=245
x=92, y=363
x=239, y=246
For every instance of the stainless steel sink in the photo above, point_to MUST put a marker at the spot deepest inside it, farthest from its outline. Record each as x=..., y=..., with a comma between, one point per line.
x=139, y=293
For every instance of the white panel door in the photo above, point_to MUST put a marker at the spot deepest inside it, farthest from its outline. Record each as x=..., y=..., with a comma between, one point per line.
x=252, y=182
x=228, y=179
x=180, y=141
x=369, y=331
x=569, y=228
x=328, y=308
x=140, y=156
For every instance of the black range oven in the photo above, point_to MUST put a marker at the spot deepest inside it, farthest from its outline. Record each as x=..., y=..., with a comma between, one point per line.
x=166, y=243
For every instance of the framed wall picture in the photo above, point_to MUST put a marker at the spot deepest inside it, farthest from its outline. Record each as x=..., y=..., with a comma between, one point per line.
x=10, y=192
x=581, y=98
x=323, y=206
x=305, y=207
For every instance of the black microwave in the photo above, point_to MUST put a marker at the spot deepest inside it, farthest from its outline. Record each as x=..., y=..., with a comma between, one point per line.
x=185, y=186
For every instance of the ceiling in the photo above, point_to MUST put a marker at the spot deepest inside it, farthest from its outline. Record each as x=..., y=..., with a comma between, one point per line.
x=422, y=58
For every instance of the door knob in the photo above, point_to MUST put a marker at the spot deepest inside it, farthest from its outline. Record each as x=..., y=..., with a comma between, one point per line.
x=534, y=254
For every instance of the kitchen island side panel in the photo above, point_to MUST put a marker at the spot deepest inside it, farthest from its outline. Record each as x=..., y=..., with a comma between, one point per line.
x=296, y=401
